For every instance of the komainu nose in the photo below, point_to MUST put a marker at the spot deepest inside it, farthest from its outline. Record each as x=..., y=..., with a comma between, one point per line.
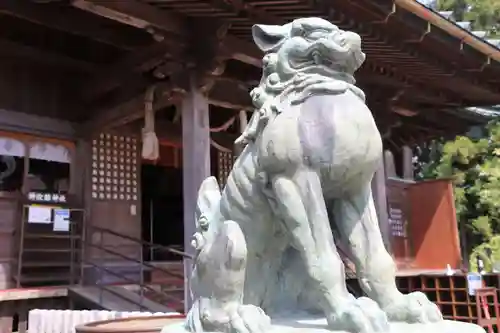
x=352, y=40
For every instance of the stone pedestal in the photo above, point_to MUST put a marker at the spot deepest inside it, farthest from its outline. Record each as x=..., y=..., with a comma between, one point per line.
x=318, y=325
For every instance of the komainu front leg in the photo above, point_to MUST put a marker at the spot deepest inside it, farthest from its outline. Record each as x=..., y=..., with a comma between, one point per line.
x=358, y=224
x=302, y=208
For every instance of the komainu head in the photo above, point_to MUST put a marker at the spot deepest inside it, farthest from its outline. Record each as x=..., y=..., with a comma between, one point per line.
x=310, y=45
x=306, y=57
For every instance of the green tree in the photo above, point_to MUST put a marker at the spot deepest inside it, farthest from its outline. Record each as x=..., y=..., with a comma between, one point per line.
x=473, y=165
x=483, y=14
x=458, y=7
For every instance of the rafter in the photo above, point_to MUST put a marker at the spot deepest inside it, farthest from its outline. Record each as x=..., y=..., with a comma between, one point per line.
x=71, y=21
x=12, y=49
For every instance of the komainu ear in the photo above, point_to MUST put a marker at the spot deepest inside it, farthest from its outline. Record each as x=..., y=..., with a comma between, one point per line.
x=269, y=37
x=208, y=197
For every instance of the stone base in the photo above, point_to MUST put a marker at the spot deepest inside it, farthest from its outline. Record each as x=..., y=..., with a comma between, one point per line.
x=318, y=325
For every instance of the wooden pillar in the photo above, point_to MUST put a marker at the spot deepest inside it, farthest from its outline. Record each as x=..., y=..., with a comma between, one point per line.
x=80, y=163
x=243, y=120
x=6, y=317
x=196, y=166
x=380, y=198
x=390, y=167
x=22, y=311
x=407, y=163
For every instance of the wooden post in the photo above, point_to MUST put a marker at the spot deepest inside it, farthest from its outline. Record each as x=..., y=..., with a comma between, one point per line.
x=6, y=317
x=243, y=120
x=23, y=309
x=196, y=167
x=380, y=198
x=390, y=167
x=407, y=163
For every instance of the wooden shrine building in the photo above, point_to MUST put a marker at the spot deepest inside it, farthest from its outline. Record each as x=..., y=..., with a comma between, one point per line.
x=77, y=75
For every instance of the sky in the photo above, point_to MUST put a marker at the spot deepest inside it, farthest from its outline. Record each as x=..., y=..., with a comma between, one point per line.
x=426, y=2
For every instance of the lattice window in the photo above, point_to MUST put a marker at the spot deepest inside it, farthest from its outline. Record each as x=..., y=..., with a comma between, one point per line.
x=225, y=164
x=114, y=168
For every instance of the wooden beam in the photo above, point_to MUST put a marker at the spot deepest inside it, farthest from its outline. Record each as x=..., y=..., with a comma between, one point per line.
x=240, y=8
x=239, y=49
x=170, y=132
x=225, y=94
x=230, y=96
x=72, y=21
x=121, y=72
x=14, y=121
x=16, y=50
x=139, y=15
x=243, y=51
x=128, y=111
x=196, y=166
x=134, y=63
x=135, y=13
x=144, y=16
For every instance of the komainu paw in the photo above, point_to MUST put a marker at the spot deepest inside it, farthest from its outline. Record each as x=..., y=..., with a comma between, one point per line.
x=360, y=315
x=236, y=318
x=413, y=308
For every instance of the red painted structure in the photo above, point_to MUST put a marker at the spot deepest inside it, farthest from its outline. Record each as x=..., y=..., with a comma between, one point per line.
x=429, y=239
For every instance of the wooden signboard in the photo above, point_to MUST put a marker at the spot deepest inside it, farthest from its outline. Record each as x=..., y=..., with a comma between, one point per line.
x=424, y=232
x=397, y=211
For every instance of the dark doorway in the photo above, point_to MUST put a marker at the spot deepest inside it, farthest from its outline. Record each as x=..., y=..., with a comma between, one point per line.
x=162, y=210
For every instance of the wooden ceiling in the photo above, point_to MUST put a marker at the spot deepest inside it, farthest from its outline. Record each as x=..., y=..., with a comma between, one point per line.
x=417, y=74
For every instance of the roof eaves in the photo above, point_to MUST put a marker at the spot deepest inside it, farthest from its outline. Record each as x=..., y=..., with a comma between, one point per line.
x=441, y=21
x=490, y=113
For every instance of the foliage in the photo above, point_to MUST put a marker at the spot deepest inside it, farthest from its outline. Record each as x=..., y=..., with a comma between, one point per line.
x=483, y=14
x=473, y=165
x=489, y=259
